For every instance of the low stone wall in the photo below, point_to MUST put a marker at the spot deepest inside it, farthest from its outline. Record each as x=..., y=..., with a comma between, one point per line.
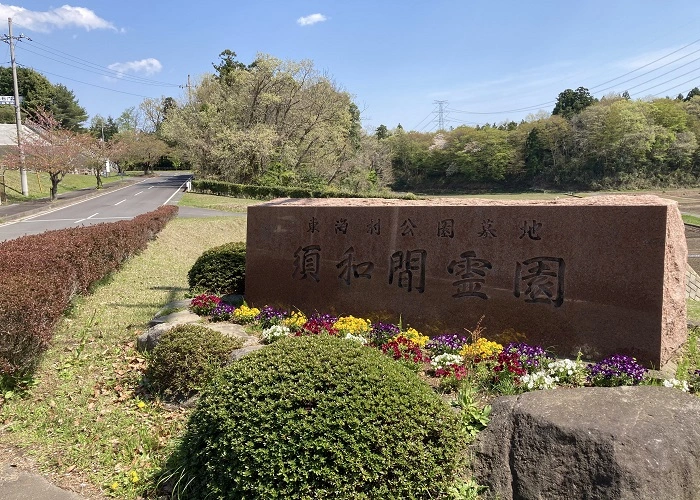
x=599, y=275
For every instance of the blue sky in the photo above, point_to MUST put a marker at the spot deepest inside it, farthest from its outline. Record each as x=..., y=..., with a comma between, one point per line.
x=490, y=61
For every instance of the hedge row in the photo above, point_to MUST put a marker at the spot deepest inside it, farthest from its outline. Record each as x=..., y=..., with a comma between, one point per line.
x=206, y=186
x=40, y=274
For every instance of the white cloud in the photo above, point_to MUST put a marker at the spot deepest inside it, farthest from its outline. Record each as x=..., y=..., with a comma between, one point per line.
x=147, y=67
x=312, y=19
x=59, y=18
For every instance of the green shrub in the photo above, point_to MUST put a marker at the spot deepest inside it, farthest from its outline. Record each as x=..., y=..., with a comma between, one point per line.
x=318, y=417
x=266, y=192
x=219, y=270
x=186, y=358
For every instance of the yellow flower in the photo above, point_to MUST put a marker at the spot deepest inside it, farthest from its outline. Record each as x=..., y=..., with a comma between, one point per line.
x=133, y=476
x=351, y=324
x=414, y=336
x=295, y=321
x=141, y=405
x=482, y=348
x=114, y=485
x=245, y=314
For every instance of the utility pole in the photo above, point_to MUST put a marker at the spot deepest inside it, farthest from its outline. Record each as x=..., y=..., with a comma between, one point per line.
x=189, y=90
x=18, y=116
x=441, y=114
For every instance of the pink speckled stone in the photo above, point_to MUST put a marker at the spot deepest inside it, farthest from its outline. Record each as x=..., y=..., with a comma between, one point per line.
x=600, y=275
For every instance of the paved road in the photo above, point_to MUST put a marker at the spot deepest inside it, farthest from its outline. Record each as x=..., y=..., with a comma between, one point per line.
x=120, y=204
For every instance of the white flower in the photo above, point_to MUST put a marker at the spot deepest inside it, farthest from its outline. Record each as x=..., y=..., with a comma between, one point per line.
x=275, y=332
x=445, y=360
x=677, y=384
x=567, y=370
x=356, y=338
x=539, y=380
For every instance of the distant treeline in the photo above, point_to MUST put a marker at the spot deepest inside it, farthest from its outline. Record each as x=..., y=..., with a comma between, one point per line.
x=585, y=143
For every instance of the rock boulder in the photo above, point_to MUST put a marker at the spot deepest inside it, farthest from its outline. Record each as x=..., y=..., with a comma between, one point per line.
x=592, y=443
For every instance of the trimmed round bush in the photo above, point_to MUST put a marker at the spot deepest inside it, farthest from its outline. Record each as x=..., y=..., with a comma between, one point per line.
x=219, y=270
x=186, y=358
x=319, y=417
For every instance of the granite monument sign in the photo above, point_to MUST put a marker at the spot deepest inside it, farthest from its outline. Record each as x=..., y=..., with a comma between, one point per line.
x=598, y=275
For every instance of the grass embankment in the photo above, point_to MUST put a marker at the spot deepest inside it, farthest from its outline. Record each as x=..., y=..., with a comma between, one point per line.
x=39, y=184
x=213, y=202
x=85, y=419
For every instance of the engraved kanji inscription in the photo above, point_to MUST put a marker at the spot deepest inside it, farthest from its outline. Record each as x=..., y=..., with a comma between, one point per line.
x=306, y=262
x=530, y=230
x=374, y=226
x=407, y=227
x=446, y=228
x=408, y=269
x=487, y=229
x=472, y=274
x=341, y=226
x=313, y=225
x=540, y=279
x=351, y=270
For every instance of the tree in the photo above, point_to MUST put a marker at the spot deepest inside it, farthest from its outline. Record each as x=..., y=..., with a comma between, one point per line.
x=228, y=64
x=381, y=132
x=35, y=89
x=695, y=91
x=571, y=102
x=270, y=114
x=65, y=108
x=138, y=148
x=95, y=151
x=53, y=149
x=103, y=129
x=154, y=112
x=129, y=120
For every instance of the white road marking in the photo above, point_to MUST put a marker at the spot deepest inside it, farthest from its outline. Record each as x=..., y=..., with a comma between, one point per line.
x=176, y=191
x=87, y=218
x=23, y=219
x=119, y=202
x=73, y=220
x=138, y=193
x=150, y=187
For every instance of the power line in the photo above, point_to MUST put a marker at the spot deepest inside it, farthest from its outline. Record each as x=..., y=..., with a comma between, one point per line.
x=93, y=67
x=426, y=117
x=536, y=107
x=85, y=83
x=105, y=72
x=649, y=64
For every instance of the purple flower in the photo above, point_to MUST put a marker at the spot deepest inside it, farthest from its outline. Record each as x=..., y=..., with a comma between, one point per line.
x=531, y=356
x=616, y=370
x=382, y=332
x=269, y=316
x=222, y=312
x=448, y=343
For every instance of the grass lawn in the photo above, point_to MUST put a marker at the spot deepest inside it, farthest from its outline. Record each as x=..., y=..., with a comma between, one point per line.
x=39, y=184
x=84, y=418
x=693, y=310
x=691, y=219
x=223, y=203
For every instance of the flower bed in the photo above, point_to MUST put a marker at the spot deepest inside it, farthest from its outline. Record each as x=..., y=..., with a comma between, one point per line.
x=451, y=361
